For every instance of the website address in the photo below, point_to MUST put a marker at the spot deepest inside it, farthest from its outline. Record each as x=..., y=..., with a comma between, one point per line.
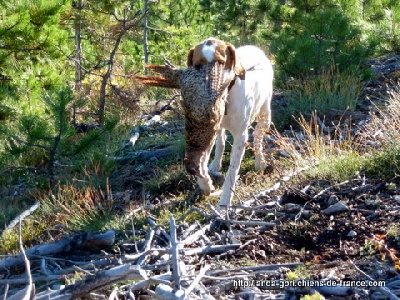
x=306, y=283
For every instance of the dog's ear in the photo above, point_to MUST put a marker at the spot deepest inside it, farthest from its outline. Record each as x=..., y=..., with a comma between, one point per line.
x=189, y=61
x=236, y=64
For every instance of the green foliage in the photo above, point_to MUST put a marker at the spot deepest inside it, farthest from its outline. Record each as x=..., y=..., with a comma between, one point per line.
x=382, y=20
x=330, y=90
x=384, y=164
x=79, y=208
x=32, y=46
x=317, y=35
x=338, y=168
x=30, y=132
x=30, y=230
x=237, y=21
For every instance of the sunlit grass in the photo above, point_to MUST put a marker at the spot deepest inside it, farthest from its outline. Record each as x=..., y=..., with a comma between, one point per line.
x=79, y=208
x=330, y=90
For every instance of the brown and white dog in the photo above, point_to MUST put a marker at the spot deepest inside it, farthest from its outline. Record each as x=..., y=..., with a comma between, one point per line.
x=223, y=88
x=249, y=99
x=213, y=50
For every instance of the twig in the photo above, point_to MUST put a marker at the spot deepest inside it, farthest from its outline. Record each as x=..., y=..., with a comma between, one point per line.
x=271, y=267
x=384, y=290
x=249, y=223
x=113, y=294
x=197, y=280
x=5, y=292
x=331, y=187
x=209, y=249
x=26, y=293
x=22, y=216
x=176, y=274
x=193, y=237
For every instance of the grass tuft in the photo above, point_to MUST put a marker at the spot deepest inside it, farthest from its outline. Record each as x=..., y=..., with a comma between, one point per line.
x=79, y=208
x=330, y=90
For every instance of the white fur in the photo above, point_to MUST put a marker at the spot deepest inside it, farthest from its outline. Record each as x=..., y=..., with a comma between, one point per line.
x=208, y=51
x=247, y=100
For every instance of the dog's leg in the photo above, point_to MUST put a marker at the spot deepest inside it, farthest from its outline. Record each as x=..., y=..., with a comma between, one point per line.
x=238, y=148
x=261, y=129
x=216, y=164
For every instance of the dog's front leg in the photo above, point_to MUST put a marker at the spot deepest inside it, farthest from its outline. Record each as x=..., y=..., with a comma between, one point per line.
x=238, y=148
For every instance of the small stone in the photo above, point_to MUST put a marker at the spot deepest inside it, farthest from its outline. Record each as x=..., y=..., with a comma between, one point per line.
x=335, y=208
x=333, y=199
x=397, y=198
x=352, y=233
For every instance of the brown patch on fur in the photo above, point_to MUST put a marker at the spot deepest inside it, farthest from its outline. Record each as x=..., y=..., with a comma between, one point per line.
x=225, y=54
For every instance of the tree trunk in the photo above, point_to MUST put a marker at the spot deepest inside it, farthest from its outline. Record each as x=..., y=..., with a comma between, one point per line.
x=78, y=55
x=145, y=30
x=107, y=75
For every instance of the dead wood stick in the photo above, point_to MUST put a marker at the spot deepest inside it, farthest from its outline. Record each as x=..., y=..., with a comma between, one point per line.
x=198, y=210
x=283, y=179
x=90, y=283
x=258, y=208
x=194, y=237
x=5, y=292
x=134, y=136
x=248, y=223
x=147, y=246
x=156, y=279
x=27, y=292
x=64, y=245
x=25, y=280
x=384, y=290
x=197, y=280
x=22, y=216
x=330, y=187
x=271, y=267
x=176, y=273
x=114, y=294
x=216, y=213
x=153, y=252
x=190, y=229
x=209, y=249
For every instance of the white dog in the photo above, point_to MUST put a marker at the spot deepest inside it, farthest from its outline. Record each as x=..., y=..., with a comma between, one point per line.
x=223, y=88
x=249, y=99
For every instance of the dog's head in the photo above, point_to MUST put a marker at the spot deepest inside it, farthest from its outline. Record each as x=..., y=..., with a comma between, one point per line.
x=214, y=50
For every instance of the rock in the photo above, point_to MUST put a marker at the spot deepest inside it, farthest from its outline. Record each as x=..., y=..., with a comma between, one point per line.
x=352, y=233
x=335, y=208
x=333, y=199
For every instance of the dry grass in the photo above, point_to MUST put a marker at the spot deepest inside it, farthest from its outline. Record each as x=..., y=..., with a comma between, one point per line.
x=385, y=123
x=79, y=208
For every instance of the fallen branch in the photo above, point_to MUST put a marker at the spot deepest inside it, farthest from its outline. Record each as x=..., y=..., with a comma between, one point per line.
x=87, y=239
x=22, y=216
x=27, y=292
x=90, y=283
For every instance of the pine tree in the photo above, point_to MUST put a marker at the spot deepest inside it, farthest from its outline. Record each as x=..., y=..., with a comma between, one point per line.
x=100, y=29
x=32, y=47
x=316, y=35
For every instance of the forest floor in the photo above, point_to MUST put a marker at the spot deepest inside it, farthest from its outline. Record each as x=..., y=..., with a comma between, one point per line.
x=294, y=238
